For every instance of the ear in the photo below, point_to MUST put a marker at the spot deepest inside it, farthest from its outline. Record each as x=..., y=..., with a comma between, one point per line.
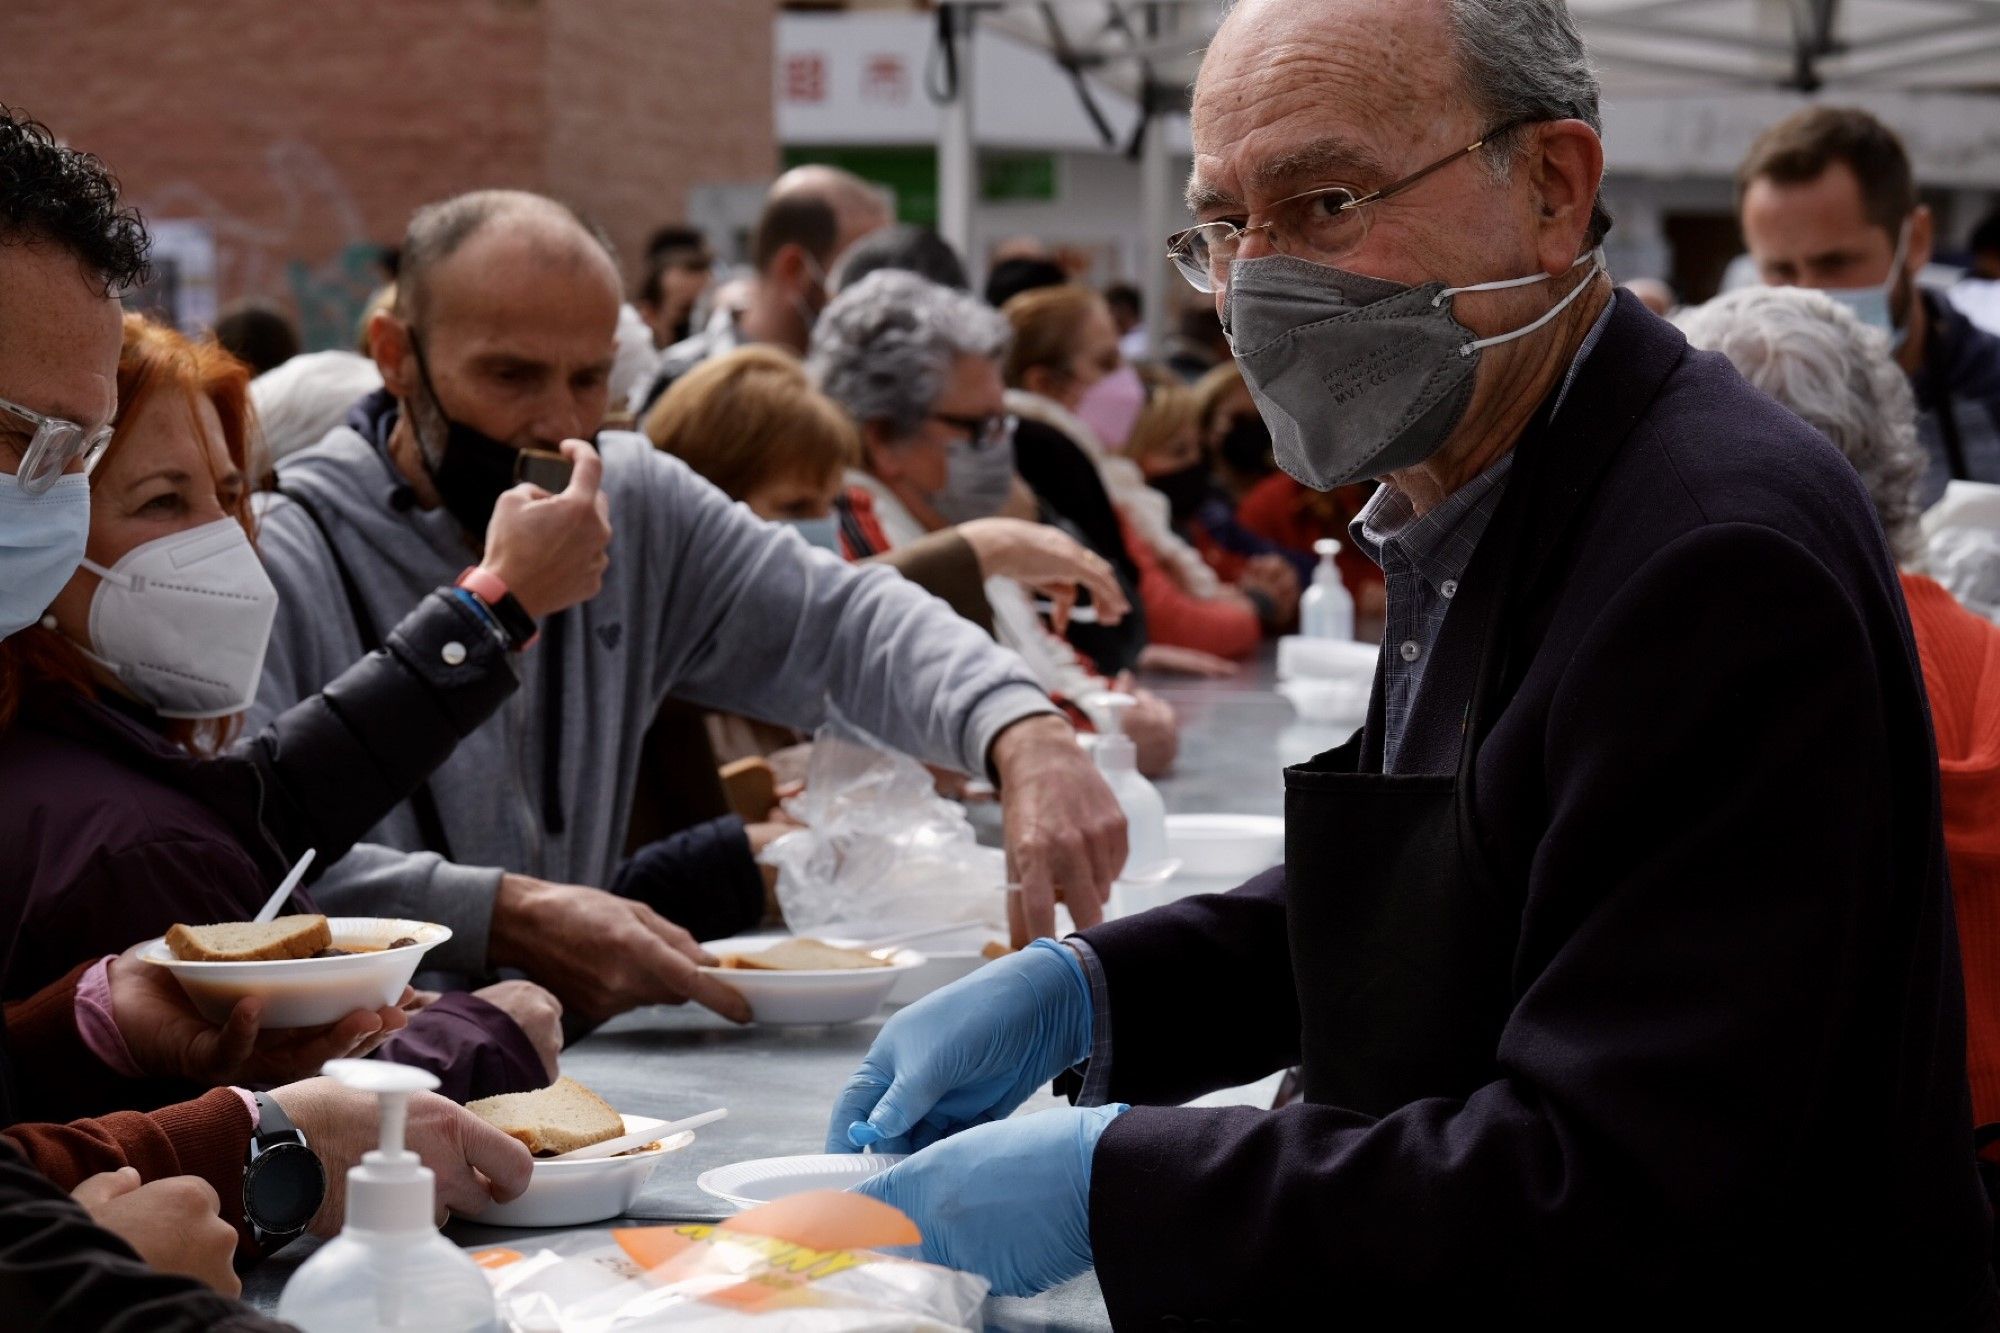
x=1041, y=380
x=1566, y=166
x=1923, y=239
x=882, y=456
x=789, y=266
x=389, y=344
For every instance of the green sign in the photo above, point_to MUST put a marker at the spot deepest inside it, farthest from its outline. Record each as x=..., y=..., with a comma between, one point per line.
x=1017, y=178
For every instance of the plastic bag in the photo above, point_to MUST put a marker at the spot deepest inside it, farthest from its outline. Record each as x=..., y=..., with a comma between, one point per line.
x=881, y=850
x=1967, y=562
x=806, y=1264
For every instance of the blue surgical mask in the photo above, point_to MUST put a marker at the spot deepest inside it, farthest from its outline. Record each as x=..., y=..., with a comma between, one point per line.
x=821, y=532
x=42, y=538
x=1875, y=306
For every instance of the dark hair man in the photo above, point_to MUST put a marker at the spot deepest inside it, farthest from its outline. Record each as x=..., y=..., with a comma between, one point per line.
x=1826, y=199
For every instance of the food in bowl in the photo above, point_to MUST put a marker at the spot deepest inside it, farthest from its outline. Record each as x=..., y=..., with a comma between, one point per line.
x=251, y=941
x=560, y=1118
x=267, y=941
x=802, y=955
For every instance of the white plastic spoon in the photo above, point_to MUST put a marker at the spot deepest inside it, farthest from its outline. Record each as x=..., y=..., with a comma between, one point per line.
x=627, y=1142
x=269, y=911
x=922, y=933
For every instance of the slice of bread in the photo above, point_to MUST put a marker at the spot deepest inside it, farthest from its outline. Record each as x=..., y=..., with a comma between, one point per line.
x=251, y=941
x=560, y=1118
x=803, y=955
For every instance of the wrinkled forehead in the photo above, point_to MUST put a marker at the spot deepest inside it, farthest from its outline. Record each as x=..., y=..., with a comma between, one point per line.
x=1295, y=95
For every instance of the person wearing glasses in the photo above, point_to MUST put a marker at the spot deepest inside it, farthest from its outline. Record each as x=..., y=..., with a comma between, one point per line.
x=917, y=367
x=1615, y=950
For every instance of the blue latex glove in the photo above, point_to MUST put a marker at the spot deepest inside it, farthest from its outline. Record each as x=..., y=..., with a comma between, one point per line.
x=1009, y=1201
x=968, y=1054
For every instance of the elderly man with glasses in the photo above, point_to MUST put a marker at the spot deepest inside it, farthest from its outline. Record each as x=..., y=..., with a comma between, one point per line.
x=1615, y=950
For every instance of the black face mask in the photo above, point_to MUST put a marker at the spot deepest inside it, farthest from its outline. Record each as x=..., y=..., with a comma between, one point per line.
x=1185, y=490
x=1246, y=449
x=474, y=469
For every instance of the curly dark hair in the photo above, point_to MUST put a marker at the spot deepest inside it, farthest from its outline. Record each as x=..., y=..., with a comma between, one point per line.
x=49, y=193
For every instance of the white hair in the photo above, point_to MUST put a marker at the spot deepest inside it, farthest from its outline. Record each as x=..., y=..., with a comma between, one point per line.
x=884, y=348
x=299, y=402
x=1810, y=353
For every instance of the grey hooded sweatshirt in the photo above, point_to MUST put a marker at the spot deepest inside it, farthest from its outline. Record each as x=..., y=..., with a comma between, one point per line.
x=702, y=600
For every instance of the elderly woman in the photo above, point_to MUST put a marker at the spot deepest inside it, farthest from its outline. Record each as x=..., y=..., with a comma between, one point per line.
x=918, y=368
x=1815, y=357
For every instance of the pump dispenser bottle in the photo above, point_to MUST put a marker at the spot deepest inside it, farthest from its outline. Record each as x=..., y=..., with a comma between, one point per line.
x=389, y=1269
x=1118, y=760
x=1326, y=611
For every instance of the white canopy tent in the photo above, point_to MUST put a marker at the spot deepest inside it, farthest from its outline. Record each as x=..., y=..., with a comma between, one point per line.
x=1652, y=54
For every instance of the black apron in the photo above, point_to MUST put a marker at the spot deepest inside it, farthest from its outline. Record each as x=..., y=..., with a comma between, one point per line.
x=1402, y=942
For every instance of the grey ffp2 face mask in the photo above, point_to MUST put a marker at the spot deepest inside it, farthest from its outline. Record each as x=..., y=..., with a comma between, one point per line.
x=1357, y=376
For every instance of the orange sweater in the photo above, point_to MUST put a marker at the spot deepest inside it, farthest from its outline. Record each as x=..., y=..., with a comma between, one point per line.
x=1179, y=618
x=1961, y=660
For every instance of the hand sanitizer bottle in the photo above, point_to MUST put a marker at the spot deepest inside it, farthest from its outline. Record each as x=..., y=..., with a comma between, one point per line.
x=1118, y=760
x=1326, y=611
x=389, y=1269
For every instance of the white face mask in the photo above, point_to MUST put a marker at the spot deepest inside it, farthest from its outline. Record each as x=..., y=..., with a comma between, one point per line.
x=184, y=620
x=1875, y=306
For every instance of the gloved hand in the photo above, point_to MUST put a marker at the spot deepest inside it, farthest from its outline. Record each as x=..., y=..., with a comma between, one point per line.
x=970, y=1053
x=1009, y=1201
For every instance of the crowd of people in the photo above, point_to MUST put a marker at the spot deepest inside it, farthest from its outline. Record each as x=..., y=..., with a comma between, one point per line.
x=257, y=602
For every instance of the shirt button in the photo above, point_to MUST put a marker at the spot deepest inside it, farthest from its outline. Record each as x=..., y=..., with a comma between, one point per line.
x=1411, y=652
x=1449, y=589
x=453, y=653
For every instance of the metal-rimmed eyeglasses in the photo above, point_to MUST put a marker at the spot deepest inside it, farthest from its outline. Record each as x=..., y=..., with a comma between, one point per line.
x=1324, y=225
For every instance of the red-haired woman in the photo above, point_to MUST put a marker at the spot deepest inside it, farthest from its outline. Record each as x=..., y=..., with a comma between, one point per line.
x=129, y=806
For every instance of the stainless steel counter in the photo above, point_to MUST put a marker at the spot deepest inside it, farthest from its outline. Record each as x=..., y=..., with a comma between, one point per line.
x=780, y=1083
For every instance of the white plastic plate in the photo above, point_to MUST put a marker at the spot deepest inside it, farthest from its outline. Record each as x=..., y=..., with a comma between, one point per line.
x=748, y=1184
x=310, y=992
x=793, y=998
x=1226, y=846
x=575, y=1194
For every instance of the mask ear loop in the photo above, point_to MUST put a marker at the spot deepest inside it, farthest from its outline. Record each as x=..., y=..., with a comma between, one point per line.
x=1594, y=258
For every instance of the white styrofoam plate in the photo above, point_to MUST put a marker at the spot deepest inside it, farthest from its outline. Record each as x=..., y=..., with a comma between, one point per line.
x=310, y=992
x=791, y=998
x=1226, y=846
x=577, y=1193
x=748, y=1184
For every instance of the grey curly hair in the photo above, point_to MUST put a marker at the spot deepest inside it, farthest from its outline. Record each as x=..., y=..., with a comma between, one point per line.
x=1810, y=353
x=885, y=346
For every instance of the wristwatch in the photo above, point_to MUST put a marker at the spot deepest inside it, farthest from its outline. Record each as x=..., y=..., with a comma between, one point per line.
x=515, y=623
x=284, y=1182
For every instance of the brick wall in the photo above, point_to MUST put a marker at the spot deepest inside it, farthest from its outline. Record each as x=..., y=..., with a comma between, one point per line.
x=303, y=132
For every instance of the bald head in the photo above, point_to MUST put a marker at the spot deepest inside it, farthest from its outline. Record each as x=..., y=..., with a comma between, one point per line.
x=470, y=237
x=820, y=209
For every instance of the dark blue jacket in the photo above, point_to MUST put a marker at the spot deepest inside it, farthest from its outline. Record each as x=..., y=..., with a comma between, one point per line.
x=1731, y=1088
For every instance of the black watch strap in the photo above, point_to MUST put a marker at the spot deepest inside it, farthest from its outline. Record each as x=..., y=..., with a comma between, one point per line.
x=284, y=1182
x=515, y=621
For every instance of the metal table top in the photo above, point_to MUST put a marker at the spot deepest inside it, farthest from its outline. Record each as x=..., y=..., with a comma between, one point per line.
x=780, y=1083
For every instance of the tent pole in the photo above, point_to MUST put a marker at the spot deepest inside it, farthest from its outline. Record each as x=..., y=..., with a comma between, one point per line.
x=958, y=151
x=1157, y=194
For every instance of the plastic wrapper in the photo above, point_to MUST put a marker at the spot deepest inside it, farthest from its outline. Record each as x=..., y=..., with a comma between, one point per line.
x=881, y=850
x=1967, y=562
x=812, y=1263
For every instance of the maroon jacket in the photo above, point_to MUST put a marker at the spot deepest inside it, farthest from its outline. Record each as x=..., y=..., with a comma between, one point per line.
x=109, y=835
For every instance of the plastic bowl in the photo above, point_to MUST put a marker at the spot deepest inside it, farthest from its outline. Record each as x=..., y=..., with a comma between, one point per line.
x=797, y=998
x=310, y=992
x=1226, y=846
x=575, y=1194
